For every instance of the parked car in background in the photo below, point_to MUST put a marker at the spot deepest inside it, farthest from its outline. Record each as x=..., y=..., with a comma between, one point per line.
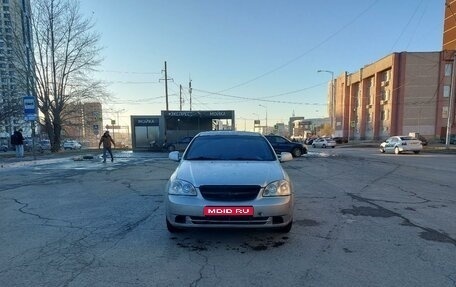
x=340, y=140
x=452, y=139
x=400, y=144
x=418, y=136
x=4, y=147
x=29, y=145
x=323, y=143
x=229, y=179
x=180, y=145
x=71, y=144
x=281, y=144
x=44, y=145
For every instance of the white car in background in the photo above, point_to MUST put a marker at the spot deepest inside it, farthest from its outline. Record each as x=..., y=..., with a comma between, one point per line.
x=324, y=143
x=400, y=144
x=71, y=144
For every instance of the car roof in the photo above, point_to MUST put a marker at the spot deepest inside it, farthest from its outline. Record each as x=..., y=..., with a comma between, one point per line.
x=228, y=133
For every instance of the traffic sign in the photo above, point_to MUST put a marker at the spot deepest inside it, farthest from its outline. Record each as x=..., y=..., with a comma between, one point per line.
x=29, y=108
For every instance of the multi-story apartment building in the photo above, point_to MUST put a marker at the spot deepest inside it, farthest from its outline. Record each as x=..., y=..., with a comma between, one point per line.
x=449, y=26
x=84, y=122
x=15, y=63
x=401, y=93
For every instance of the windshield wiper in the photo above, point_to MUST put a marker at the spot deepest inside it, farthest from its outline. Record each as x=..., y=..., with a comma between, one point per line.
x=202, y=158
x=247, y=158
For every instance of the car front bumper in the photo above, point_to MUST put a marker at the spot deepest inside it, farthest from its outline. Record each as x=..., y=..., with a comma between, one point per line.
x=269, y=212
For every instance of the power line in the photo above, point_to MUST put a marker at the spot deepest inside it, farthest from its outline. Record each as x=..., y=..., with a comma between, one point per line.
x=306, y=52
x=127, y=72
x=261, y=100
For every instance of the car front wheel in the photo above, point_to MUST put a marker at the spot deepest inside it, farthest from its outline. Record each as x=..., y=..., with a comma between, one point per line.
x=382, y=150
x=416, y=151
x=171, y=228
x=396, y=150
x=296, y=152
x=286, y=228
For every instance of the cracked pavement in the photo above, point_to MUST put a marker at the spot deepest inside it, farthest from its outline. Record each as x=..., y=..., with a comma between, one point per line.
x=361, y=219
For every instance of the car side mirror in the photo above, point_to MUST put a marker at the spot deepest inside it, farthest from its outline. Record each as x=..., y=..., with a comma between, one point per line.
x=285, y=156
x=174, y=155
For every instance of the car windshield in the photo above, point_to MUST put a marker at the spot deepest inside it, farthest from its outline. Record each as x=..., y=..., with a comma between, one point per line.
x=230, y=148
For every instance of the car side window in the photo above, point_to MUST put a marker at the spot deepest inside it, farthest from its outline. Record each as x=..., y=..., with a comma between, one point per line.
x=271, y=139
x=280, y=140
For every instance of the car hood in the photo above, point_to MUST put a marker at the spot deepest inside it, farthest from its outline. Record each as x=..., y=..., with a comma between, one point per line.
x=230, y=172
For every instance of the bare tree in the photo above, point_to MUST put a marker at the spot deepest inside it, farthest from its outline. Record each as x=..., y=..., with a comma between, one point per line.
x=65, y=52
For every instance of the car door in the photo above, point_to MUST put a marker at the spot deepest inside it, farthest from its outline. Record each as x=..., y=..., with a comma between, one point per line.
x=282, y=145
x=273, y=141
x=391, y=144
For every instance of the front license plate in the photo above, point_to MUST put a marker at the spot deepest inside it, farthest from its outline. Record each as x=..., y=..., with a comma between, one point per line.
x=228, y=210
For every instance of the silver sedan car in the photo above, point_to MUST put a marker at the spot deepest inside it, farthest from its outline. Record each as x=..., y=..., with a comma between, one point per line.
x=400, y=144
x=229, y=179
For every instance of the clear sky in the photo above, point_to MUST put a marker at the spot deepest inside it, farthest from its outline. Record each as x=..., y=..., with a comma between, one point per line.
x=241, y=54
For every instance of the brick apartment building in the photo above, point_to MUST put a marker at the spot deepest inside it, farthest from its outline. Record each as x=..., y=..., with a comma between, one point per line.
x=401, y=93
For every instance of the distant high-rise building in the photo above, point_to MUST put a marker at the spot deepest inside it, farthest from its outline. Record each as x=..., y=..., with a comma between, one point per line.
x=16, y=66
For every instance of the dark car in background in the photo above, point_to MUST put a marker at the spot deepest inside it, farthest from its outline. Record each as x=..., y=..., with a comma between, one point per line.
x=452, y=139
x=340, y=140
x=282, y=144
x=180, y=145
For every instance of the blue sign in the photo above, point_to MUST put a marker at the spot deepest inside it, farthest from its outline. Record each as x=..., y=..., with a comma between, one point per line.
x=29, y=108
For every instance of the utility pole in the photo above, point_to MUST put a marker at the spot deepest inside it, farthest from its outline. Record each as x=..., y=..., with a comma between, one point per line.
x=190, y=92
x=180, y=97
x=166, y=85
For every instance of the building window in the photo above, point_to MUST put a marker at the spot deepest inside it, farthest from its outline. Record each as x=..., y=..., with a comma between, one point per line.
x=5, y=8
x=448, y=69
x=446, y=91
x=444, y=112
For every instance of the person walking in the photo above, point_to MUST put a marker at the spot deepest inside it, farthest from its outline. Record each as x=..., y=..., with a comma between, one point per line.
x=17, y=139
x=106, y=140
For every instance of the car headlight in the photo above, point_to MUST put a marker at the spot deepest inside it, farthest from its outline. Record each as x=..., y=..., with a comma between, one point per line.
x=181, y=187
x=277, y=188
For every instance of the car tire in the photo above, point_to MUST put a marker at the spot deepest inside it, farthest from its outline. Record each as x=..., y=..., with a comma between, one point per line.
x=382, y=150
x=396, y=150
x=313, y=146
x=171, y=228
x=323, y=146
x=416, y=151
x=286, y=228
x=333, y=146
x=296, y=152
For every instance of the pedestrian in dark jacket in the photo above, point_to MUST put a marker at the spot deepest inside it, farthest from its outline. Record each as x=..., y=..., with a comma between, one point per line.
x=17, y=139
x=106, y=140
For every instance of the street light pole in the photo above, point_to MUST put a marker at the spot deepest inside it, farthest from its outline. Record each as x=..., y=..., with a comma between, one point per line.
x=266, y=108
x=332, y=105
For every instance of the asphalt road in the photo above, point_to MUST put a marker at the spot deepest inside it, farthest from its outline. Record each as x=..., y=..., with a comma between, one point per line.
x=361, y=219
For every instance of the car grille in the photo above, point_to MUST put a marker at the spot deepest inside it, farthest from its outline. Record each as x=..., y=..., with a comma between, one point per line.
x=229, y=192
